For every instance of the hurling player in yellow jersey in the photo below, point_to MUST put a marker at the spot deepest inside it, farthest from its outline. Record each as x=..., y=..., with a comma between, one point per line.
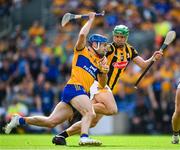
x=176, y=117
x=119, y=54
x=86, y=67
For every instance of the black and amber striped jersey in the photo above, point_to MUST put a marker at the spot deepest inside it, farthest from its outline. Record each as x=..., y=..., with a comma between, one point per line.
x=118, y=59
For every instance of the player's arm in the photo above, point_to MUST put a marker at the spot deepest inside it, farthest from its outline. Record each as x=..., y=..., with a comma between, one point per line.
x=102, y=79
x=81, y=42
x=144, y=63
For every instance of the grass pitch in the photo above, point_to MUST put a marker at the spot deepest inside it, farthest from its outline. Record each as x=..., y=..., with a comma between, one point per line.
x=43, y=142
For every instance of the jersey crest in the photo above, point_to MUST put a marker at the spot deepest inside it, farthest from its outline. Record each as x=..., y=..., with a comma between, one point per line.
x=120, y=65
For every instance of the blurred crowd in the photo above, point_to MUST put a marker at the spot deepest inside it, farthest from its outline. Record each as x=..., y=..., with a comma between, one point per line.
x=35, y=64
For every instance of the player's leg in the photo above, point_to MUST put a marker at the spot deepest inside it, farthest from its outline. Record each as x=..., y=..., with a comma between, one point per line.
x=103, y=100
x=60, y=139
x=76, y=128
x=104, y=103
x=176, y=118
x=84, y=106
x=61, y=113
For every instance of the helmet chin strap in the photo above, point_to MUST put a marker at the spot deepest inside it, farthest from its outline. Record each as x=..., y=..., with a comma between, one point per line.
x=96, y=50
x=97, y=46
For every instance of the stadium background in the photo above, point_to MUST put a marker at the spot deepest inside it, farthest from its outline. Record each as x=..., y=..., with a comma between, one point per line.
x=35, y=59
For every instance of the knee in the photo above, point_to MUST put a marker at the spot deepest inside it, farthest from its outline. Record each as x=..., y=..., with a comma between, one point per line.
x=112, y=110
x=91, y=114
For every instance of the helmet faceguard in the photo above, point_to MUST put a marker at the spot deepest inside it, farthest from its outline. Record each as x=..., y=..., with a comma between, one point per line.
x=98, y=39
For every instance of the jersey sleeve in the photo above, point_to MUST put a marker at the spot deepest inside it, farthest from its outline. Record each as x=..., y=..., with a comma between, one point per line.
x=79, y=50
x=134, y=53
x=110, y=49
x=75, y=49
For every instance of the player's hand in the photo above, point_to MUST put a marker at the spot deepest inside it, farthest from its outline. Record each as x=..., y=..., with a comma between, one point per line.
x=92, y=15
x=103, y=61
x=157, y=55
x=104, y=69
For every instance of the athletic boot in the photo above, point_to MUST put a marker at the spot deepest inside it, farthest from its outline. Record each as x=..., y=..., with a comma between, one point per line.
x=175, y=139
x=59, y=140
x=86, y=141
x=12, y=124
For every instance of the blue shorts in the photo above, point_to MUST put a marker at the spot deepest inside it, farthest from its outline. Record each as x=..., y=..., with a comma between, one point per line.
x=70, y=91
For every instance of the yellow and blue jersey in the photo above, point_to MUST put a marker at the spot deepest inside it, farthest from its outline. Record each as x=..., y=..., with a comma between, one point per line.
x=84, y=68
x=84, y=72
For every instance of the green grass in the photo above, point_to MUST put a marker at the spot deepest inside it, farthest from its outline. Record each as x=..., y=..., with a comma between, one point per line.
x=43, y=142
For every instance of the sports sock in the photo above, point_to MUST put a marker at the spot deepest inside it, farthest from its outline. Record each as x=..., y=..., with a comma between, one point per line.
x=175, y=133
x=84, y=135
x=64, y=134
x=22, y=121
